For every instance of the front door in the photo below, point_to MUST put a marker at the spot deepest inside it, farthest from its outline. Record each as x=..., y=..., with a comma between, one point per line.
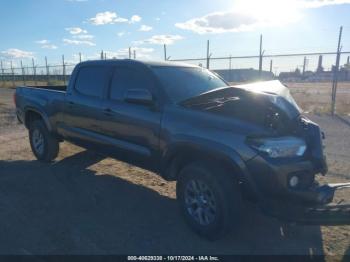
x=133, y=127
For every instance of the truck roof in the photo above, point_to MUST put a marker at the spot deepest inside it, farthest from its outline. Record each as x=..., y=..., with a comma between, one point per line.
x=136, y=62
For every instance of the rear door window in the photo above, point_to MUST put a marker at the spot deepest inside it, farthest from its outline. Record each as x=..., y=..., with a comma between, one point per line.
x=92, y=80
x=125, y=78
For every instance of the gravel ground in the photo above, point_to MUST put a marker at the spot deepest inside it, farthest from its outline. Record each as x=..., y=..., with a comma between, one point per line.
x=87, y=204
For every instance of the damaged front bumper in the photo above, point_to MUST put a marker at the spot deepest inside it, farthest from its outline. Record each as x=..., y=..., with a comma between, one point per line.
x=316, y=209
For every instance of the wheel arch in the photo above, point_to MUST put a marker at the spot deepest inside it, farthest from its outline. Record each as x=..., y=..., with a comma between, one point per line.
x=32, y=114
x=182, y=154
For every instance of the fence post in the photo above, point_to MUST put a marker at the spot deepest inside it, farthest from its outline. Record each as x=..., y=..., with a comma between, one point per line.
x=208, y=55
x=64, y=70
x=271, y=66
x=34, y=72
x=260, y=56
x=47, y=71
x=230, y=67
x=335, y=72
x=23, y=74
x=304, y=65
x=13, y=75
x=165, y=57
x=2, y=74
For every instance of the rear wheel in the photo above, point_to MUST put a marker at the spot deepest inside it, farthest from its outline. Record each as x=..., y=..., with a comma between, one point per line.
x=44, y=145
x=209, y=199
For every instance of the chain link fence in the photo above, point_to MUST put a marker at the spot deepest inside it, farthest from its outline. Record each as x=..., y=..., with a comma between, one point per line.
x=310, y=76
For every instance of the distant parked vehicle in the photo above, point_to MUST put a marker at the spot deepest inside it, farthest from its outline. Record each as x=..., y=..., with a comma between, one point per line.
x=224, y=145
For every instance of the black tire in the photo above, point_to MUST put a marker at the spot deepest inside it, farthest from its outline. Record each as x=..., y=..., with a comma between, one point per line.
x=50, y=145
x=223, y=189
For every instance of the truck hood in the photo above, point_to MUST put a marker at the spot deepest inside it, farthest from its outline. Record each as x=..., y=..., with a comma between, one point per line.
x=266, y=103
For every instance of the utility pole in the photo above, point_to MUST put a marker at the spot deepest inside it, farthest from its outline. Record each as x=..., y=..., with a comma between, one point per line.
x=79, y=57
x=134, y=54
x=260, y=56
x=102, y=56
x=129, y=52
x=335, y=72
x=165, y=57
x=208, y=55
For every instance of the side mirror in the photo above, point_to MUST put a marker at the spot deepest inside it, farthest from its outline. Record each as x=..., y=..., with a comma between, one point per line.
x=138, y=96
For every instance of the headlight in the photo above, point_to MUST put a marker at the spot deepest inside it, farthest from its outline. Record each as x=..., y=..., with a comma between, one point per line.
x=279, y=147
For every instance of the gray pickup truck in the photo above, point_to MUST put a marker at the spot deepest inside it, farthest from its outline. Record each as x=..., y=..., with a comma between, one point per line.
x=224, y=145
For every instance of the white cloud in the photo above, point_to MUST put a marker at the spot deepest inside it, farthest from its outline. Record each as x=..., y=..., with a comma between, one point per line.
x=86, y=37
x=321, y=3
x=14, y=53
x=135, y=19
x=46, y=44
x=76, y=30
x=145, y=28
x=49, y=46
x=42, y=42
x=120, y=34
x=107, y=18
x=77, y=42
x=160, y=40
x=243, y=17
x=157, y=19
x=220, y=22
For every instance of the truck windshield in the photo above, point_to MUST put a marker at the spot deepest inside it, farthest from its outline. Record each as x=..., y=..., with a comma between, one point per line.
x=181, y=83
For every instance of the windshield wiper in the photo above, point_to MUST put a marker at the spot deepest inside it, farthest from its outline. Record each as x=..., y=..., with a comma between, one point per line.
x=212, y=103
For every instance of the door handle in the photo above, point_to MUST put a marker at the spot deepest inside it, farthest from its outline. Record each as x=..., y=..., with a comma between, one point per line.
x=107, y=111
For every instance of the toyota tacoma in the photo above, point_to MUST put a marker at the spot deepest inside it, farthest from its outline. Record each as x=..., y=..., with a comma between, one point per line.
x=226, y=146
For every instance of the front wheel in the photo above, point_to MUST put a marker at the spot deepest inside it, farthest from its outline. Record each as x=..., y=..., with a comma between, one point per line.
x=209, y=199
x=44, y=145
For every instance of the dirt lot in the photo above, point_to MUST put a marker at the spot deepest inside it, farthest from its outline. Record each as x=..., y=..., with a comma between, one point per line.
x=316, y=97
x=86, y=204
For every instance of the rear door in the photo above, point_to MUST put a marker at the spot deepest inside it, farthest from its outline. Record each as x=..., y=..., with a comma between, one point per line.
x=133, y=127
x=84, y=105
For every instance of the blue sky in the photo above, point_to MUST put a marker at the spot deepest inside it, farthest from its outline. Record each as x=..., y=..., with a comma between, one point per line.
x=54, y=27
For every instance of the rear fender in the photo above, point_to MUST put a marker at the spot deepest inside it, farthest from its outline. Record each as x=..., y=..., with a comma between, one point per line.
x=43, y=116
